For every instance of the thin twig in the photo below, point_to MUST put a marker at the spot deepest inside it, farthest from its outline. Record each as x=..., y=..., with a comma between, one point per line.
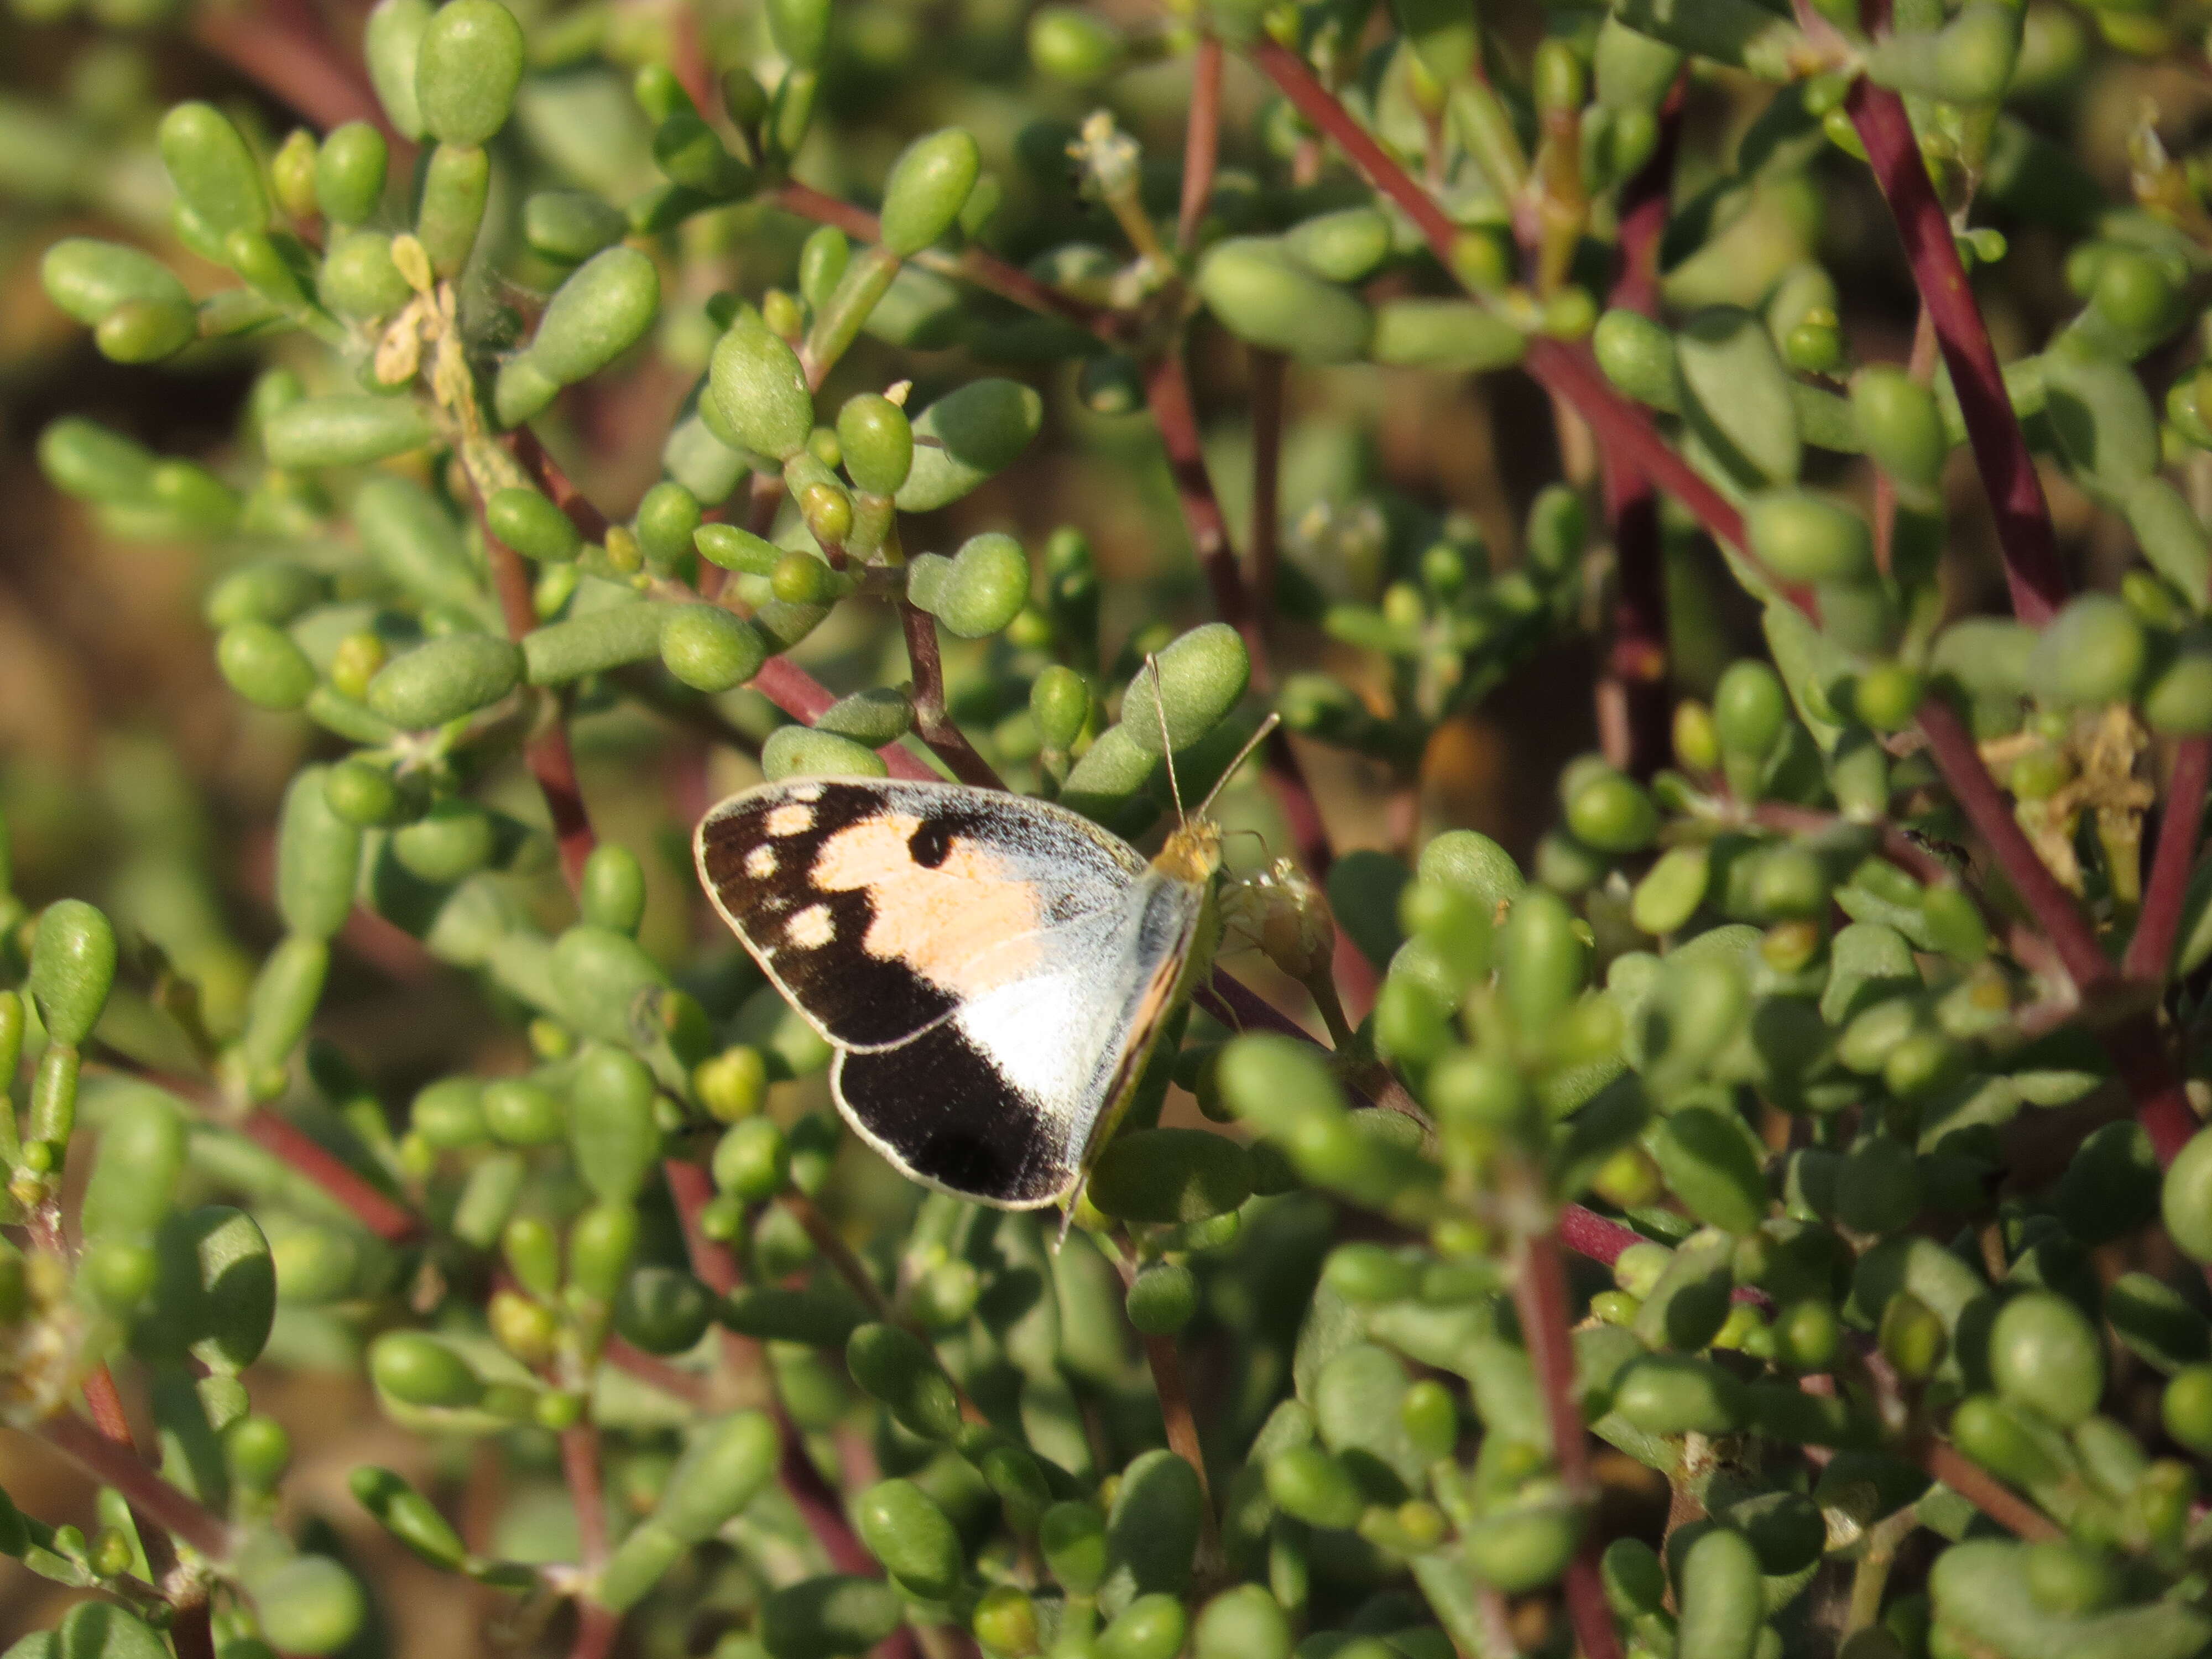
x=1951, y=748
x=1567, y=372
x=933, y=723
x=291, y=61
x=986, y=270
x=546, y=751
x=117, y=1465
x=2135, y=1044
x=1180, y=1421
x=194, y=1637
x=1269, y=371
x=1633, y=716
x=2033, y=575
x=803, y=697
x=2150, y=952
x=1201, y=146
x=1541, y=1298
x=1167, y=392
x=596, y=1626
x=389, y=1220
x=1983, y=1490
x=816, y=1501
x=368, y=1204
x=838, y=1255
x=591, y=524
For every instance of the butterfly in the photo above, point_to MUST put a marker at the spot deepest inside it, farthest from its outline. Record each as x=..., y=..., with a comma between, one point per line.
x=992, y=971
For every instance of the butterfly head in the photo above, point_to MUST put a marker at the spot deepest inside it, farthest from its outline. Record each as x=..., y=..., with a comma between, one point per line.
x=1192, y=851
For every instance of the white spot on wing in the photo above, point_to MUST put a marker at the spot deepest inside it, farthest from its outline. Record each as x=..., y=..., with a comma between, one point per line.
x=1047, y=1035
x=808, y=793
x=810, y=929
x=760, y=863
x=791, y=820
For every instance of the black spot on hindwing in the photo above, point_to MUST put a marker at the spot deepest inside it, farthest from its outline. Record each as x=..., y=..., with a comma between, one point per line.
x=859, y=1001
x=948, y=1115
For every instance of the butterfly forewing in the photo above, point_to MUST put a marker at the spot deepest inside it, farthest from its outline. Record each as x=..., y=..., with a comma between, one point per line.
x=876, y=907
x=986, y=964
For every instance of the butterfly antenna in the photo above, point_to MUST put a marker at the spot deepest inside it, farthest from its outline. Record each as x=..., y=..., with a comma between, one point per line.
x=1266, y=727
x=1167, y=749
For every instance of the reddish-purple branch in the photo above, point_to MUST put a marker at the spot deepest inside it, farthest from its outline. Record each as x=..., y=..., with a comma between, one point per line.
x=984, y=270
x=2033, y=575
x=591, y=523
x=2150, y=952
x=117, y=1464
x=1270, y=370
x=803, y=697
x=1201, y=146
x=2136, y=1045
x=816, y=1501
x=1951, y=746
x=1167, y=392
x=388, y=1219
x=1634, y=713
x=1540, y=1297
x=1567, y=372
x=931, y=721
x=546, y=751
x=285, y=51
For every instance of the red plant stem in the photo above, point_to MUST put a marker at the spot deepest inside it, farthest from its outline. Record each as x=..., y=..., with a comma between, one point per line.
x=838, y=1255
x=2136, y=1045
x=117, y=1464
x=195, y=1640
x=277, y=1134
x=1270, y=369
x=984, y=270
x=2150, y=952
x=105, y=1401
x=1539, y=1297
x=292, y=63
x=591, y=523
x=596, y=1626
x=579, y=1467
x=656, y=1372
x=1634, y=716
x=713, y=1261
x=818, y=1504
x=388, y=1219
x=546, y=752
x=1587, y=1233
x=1983, y=1490
x=1567, y=372
x=1166, y=391
x=2030, y=947
x=933, y=723
x=1181, y=1424
x=796, y=692
x=1951, y=748
x=1201, y=146
x=2034, y=576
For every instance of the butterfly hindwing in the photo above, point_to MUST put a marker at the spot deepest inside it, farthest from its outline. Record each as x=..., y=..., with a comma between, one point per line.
x=988, y=966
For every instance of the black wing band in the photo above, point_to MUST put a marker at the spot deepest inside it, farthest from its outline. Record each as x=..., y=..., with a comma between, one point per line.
x=941, y=1112
x=859, y=1000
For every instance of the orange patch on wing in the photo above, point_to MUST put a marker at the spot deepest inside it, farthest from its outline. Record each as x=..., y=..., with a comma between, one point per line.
x=966, y=926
